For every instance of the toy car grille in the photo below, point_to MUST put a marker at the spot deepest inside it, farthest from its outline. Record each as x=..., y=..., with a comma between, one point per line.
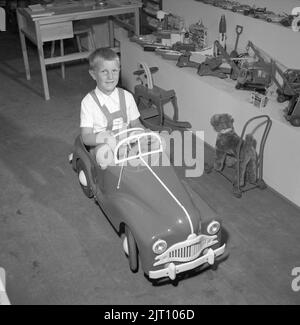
x=187, y=250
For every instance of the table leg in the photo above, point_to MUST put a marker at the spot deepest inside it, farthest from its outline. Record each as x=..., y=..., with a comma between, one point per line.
x=24, y=50
x=111, y=32
x=42, y=61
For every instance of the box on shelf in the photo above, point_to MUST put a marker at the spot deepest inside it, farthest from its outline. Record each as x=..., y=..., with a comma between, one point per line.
x=259, y=100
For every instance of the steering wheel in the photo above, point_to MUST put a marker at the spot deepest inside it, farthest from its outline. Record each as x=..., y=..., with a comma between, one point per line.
x=124, y=149
x=135, y=140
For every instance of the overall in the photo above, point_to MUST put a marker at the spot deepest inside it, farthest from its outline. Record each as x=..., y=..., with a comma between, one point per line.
x=115, y=120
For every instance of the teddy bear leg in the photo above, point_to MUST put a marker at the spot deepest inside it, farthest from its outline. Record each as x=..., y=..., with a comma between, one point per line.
x=219, y=160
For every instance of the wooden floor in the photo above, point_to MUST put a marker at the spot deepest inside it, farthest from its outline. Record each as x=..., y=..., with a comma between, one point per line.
x=58, y=248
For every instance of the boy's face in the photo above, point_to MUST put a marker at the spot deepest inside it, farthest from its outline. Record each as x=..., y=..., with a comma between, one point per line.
x=106, y=74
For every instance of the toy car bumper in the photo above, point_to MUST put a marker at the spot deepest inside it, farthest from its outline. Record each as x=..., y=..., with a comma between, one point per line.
x=172, y=270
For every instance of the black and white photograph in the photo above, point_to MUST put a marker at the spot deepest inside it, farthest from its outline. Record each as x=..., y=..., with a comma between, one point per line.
x=149, y=155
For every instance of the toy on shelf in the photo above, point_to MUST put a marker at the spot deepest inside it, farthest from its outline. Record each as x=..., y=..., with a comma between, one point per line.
x=184, y=61
x=243, y=9
x=239, y=152
x=198, y=35
x=255, y=74
x=228, y=5
x=168, y=54
x=212, y=66
x=259, y=100
x=162, y=22
x=287, y=82
x=238, y=30
x=151, y=99
x=166, y=228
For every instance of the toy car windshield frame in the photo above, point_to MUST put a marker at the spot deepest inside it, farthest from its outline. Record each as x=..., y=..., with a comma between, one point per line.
x=136, y=137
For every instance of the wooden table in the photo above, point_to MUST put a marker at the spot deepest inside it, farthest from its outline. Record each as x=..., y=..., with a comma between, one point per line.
x=57, y=24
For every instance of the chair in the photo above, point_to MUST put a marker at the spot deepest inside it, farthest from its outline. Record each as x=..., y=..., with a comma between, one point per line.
x=79, y=29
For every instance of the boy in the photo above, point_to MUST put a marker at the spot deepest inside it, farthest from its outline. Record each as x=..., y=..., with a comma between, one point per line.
x=107, y=108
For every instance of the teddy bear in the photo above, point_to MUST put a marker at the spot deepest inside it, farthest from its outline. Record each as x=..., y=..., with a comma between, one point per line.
x=227, y=146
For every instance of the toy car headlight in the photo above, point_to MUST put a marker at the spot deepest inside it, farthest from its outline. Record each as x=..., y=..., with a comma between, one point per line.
x=159, y=246
x=213, y=227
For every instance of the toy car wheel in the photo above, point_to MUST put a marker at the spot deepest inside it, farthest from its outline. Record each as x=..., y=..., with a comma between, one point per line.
x=132, y=251
x=83, y=179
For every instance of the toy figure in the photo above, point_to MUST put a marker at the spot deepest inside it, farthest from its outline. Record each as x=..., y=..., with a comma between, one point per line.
x=222, y=32
x=151, y=100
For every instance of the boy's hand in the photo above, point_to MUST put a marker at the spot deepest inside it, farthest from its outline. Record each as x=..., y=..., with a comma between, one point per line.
x=107, y=137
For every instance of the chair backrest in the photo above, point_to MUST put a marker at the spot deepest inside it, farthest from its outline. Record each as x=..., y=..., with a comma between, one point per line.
x=2, y=20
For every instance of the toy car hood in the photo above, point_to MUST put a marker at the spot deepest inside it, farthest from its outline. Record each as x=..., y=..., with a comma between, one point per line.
x=162, y=195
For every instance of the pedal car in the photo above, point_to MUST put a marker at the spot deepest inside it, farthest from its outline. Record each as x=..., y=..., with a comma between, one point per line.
x=165, y=225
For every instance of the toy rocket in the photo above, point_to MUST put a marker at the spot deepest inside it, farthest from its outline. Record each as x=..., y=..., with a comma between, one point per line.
x=222, y=31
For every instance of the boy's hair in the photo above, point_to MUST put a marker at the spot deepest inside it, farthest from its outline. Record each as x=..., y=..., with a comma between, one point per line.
x=103, y=53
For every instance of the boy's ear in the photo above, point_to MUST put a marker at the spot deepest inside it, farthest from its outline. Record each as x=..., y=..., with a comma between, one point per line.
x=92, y=74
